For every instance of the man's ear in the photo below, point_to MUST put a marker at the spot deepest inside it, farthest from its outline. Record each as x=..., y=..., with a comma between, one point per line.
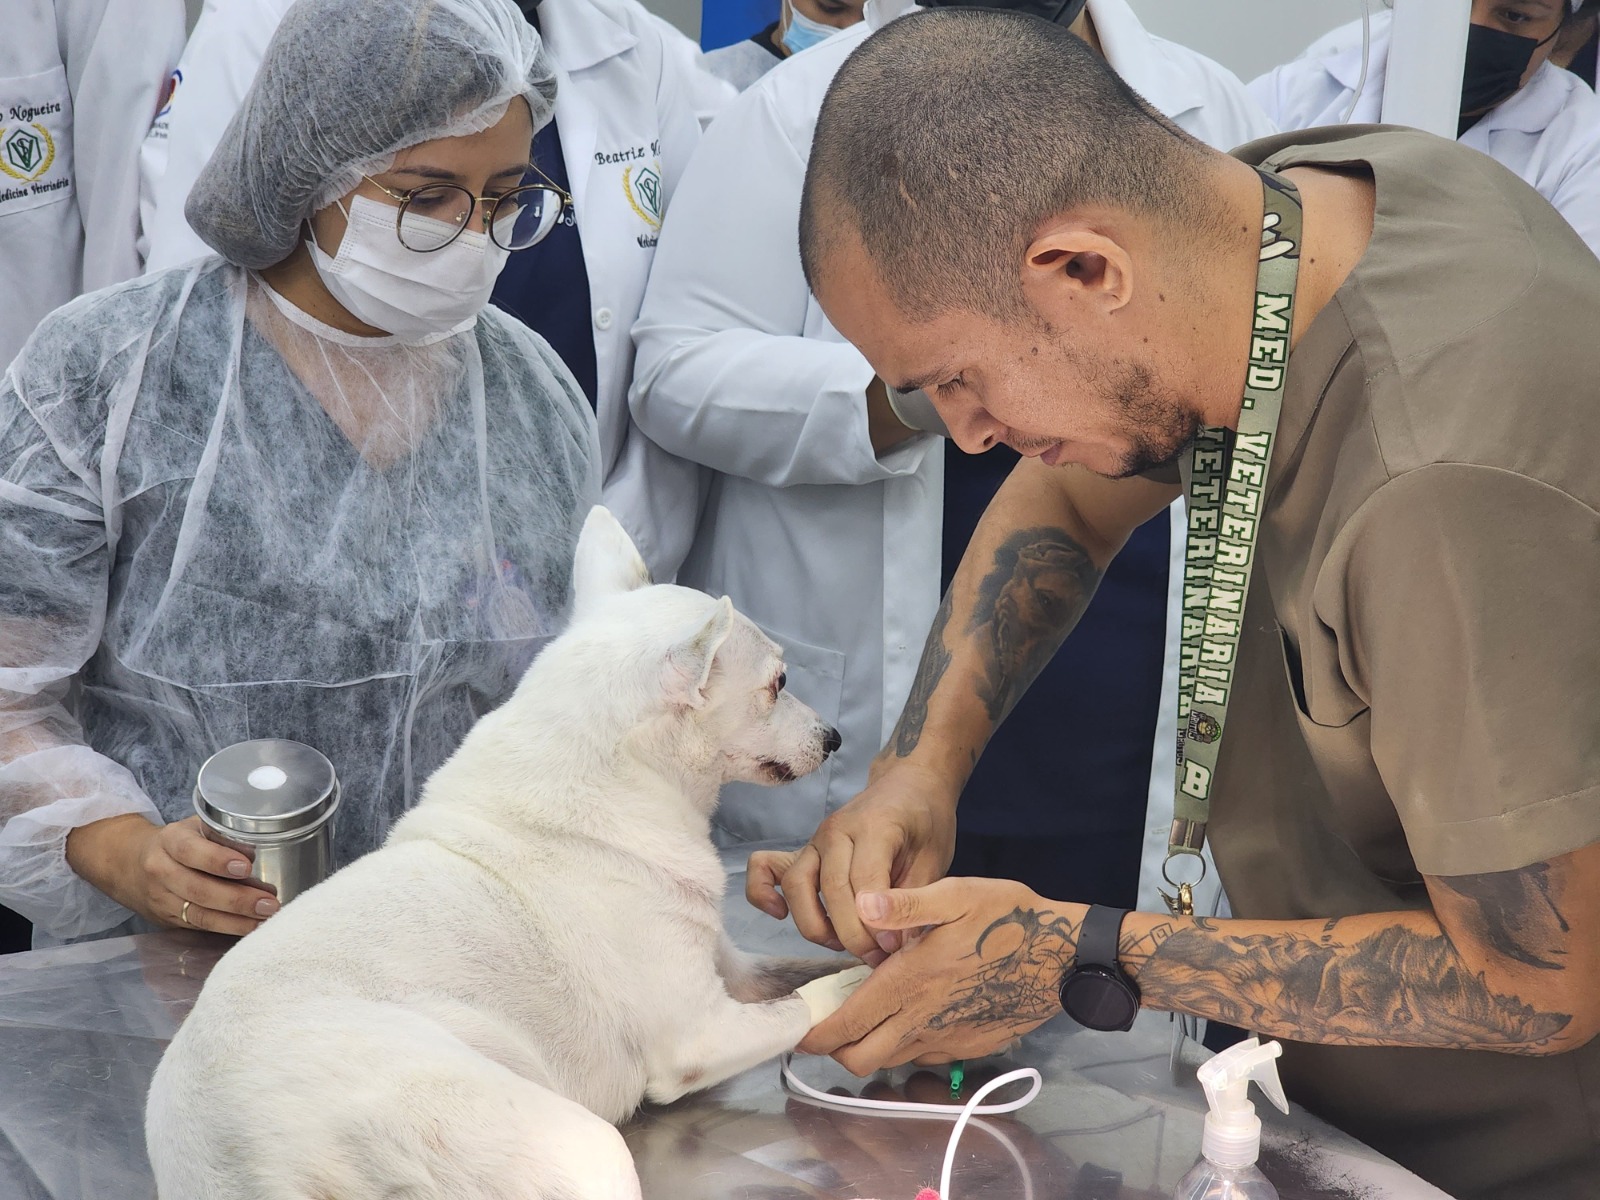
x=1067, y=259
x=606, y=562
x=689, y=662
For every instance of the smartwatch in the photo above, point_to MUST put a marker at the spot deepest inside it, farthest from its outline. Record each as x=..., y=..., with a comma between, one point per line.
x=1095, y=992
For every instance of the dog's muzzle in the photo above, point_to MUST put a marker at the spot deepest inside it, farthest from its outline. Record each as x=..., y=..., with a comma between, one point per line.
x=831, y=740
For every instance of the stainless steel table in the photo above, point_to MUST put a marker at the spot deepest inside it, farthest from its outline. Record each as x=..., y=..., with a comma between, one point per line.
x=81, y=1029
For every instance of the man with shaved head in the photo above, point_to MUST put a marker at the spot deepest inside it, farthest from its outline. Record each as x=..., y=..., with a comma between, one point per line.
x=1358, y=351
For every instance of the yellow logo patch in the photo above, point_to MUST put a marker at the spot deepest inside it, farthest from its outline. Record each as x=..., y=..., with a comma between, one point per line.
x=26, y=151
x=642, y=186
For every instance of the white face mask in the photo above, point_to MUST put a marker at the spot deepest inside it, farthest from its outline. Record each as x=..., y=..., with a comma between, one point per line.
x=416, y=297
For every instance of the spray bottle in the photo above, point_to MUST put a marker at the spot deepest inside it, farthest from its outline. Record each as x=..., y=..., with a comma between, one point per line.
x=1232, y=1138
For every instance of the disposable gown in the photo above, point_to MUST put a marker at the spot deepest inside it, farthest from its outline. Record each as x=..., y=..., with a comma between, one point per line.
x=222, y=520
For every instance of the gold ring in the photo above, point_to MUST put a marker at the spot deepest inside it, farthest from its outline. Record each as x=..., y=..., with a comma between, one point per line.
x=183, y=914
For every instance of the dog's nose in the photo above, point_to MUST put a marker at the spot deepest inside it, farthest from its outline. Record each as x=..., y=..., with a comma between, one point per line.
x=831, y=740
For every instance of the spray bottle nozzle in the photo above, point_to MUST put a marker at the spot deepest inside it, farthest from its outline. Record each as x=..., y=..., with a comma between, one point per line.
x=1232, y=1129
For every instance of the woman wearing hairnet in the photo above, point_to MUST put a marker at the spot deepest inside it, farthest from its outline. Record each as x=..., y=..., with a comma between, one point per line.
x=312, y=489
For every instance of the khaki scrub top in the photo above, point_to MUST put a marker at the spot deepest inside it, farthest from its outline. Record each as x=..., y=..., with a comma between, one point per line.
x=1418, y=688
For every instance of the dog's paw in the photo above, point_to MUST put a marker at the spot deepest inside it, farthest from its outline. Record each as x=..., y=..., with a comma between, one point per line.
x=824, y=996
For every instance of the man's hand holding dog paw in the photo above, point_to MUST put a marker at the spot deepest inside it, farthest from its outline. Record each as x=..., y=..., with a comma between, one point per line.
x=899, y=833
x=987, y=971
x=825, y=996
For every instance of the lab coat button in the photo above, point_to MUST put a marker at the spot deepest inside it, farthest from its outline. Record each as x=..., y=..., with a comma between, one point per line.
x=602, y=318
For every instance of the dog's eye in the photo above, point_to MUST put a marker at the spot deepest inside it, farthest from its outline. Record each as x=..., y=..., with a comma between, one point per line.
x=783, y=678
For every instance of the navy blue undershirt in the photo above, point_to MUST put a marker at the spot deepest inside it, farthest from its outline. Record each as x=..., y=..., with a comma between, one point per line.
x=767, y=39
x=1584, y=63
x=546, y=286
x=1074, y=756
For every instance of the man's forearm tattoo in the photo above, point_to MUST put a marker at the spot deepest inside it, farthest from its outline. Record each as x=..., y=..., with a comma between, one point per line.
x=935, y=661
x=1514, y=914
x=1041, y=582
x=1017, y=984
x=1394, y=986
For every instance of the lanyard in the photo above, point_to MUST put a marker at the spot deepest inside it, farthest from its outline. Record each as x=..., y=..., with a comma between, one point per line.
x=1224, y=519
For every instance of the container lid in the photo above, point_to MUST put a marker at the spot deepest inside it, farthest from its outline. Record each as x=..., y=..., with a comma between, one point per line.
x=267, y=786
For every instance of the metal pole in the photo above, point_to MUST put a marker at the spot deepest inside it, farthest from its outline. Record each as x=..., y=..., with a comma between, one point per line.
x=1427, y=44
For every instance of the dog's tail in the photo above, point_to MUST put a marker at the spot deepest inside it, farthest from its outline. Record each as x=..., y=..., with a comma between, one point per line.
x=376, y=1102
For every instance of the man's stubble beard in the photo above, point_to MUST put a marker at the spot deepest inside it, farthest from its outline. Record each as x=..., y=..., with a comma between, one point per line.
x=1160, y=426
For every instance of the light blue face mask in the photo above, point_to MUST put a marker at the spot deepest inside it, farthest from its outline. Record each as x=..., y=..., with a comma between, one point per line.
x=803, y=31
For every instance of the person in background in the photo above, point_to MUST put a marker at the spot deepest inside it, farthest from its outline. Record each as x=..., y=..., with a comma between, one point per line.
x=625, y=124
x=1576, y=46
x=1568, y=50
x=830, y=522
x=1517, y=106
x=801, y=24
x=80, y=83
x=311, y=489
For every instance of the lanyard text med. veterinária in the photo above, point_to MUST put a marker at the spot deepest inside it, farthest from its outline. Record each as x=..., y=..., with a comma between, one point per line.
x=1225, y=516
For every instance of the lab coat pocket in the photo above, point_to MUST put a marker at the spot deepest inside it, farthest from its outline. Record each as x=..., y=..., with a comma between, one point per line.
x=35, y=141
x=816, y=676
x=792, y=812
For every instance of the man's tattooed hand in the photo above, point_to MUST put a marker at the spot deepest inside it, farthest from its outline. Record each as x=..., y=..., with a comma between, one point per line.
x=1016, y=968
x=986, y=971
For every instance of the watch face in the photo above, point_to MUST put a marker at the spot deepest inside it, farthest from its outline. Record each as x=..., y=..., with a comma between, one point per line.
x=1097, y=999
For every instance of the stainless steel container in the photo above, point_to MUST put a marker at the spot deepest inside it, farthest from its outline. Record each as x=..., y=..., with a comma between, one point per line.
x=274, y=800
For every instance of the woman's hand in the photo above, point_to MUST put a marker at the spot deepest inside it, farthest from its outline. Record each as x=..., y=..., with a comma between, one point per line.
x=155, y=869
x=899, y=833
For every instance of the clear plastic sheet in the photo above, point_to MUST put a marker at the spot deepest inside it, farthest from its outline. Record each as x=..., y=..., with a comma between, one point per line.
x=81, y=1028
x=220, y=520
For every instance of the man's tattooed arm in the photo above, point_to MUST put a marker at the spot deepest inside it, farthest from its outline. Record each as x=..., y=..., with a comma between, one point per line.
x=1514, y=913
x=1041, y=582
x=1484, y=974
x=1394, y=985
x=935, y=661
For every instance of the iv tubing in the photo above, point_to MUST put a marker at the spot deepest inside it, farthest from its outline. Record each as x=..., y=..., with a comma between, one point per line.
x=973, y=1108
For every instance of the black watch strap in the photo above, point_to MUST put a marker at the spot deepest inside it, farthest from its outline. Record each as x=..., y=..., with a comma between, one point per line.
x=1098, y=937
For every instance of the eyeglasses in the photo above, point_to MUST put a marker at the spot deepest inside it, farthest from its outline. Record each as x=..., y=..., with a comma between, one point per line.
x=433, y=215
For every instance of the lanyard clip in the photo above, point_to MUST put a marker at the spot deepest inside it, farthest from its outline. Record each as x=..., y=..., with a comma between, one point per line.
x=1186, y=837
x=1180, y=902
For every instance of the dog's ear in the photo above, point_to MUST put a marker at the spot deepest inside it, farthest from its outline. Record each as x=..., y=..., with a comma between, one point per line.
x=689, y=662
x=606, y=562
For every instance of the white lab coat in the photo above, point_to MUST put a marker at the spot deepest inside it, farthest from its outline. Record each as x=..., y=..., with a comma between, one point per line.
x=832, y=549
x=80, y=81
x=709, y=92
x=625, y=101
x=1548, y=133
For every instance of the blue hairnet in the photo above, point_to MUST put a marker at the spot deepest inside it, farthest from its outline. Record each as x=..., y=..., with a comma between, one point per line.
x=344, y=86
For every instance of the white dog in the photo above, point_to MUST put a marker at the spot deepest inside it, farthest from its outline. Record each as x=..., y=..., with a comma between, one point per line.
x=536, y=949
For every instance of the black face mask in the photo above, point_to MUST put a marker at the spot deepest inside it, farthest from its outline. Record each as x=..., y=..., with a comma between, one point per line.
x=1493, y=70
x=1058, y=12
